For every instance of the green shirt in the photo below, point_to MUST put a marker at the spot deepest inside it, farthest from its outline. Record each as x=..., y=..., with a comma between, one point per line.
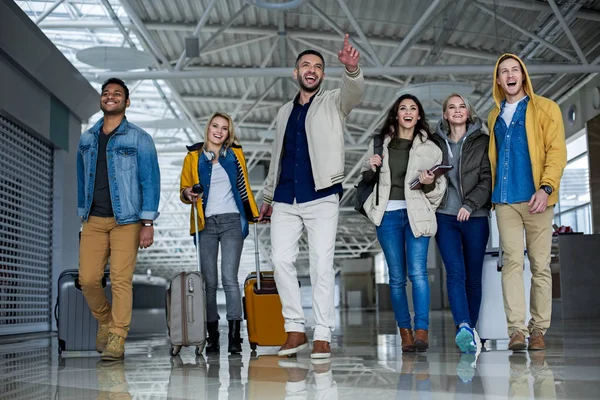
x=398, y=151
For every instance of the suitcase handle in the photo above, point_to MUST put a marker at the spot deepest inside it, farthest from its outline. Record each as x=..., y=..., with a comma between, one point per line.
x=78, y=285
x=256, y=255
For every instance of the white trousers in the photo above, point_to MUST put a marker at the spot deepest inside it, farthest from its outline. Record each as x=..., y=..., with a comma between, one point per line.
x=320, y=218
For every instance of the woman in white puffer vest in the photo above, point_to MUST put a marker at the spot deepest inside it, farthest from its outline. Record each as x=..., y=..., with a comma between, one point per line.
x=405, y=218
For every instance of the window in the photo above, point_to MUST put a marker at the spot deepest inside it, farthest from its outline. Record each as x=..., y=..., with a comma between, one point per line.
x=573, y=208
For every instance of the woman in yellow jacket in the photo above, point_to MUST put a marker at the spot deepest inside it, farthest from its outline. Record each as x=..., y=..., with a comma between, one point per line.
x=225, y=208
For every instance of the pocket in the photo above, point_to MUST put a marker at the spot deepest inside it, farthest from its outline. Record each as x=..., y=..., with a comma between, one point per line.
x=84, y=149
x=126, y=158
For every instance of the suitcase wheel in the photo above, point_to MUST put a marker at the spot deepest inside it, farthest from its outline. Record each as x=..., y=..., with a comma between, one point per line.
x=199, y=350
x=175, y=350
x=253, y=346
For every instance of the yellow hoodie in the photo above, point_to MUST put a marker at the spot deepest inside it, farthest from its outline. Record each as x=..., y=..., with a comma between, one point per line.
x=545, y=135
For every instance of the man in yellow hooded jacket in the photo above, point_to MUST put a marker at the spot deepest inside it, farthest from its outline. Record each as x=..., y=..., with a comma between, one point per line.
x=527, y=156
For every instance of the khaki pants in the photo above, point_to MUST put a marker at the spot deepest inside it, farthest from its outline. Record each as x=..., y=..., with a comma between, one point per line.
x=101, y=238
x=512, y=220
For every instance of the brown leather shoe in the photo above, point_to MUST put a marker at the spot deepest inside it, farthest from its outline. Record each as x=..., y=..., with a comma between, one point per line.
x=295, y=342
x=517, y=341
x=421, y=340
x=408, y=341
x=321, y=349
x=536, y=341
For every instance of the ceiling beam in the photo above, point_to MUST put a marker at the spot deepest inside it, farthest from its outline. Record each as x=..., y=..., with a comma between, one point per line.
x=414, y=31
x=268, y=31
x=360, y=32
x=587, y=14
x=197, y=30
x=48, y=11
x=524, y=31
x=567, y=31
x=418, y=70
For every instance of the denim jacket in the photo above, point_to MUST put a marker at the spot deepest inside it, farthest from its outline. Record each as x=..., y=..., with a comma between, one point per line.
x=514, y=176
x=133, y=173
x=229, y=164
x=197, y=168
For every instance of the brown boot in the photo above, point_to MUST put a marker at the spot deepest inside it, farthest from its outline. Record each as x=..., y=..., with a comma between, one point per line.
x=421, y=340
x=408, y=341
x=101, y=337
x=536, y=341
x=295, y=342
x=115, y=349
x=517, y=341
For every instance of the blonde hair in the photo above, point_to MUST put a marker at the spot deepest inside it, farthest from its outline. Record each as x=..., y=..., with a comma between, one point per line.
x=231, y=136
x=470, y=118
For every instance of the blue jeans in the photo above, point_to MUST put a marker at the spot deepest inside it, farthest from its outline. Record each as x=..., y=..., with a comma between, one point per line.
x=403, y=251
x=462, y=247
x=227, y=230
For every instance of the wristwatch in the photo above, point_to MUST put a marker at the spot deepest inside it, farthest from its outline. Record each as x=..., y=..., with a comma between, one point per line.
x=147, y=224
x=547, y=188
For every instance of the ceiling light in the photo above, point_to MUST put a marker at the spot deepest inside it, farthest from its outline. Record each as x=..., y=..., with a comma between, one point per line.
x=115, y=58
x=436, y=90
x=276, y=6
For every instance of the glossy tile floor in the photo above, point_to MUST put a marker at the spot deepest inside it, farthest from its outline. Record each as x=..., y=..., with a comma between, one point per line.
x=366, y=364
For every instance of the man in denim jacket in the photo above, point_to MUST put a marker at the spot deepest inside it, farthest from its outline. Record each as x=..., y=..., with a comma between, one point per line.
x=118, y=190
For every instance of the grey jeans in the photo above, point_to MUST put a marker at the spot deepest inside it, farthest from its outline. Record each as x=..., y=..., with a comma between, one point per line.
x=227, y=230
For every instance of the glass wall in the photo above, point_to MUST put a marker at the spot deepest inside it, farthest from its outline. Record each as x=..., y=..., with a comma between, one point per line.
x=573, y=208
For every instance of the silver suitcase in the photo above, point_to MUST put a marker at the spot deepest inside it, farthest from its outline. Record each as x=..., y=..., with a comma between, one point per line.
x=186, y=308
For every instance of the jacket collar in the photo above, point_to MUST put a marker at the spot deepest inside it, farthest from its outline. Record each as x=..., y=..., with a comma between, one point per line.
x=319, y=93
x=122, y=128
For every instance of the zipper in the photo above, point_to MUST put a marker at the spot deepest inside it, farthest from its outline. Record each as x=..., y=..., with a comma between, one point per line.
x=460, y=184
x=184, y=332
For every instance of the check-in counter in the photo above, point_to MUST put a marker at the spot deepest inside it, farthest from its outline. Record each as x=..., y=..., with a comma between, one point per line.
x=576, y=276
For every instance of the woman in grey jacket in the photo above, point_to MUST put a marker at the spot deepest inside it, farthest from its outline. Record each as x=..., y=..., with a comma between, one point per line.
x=463, y=227
x=405, y=218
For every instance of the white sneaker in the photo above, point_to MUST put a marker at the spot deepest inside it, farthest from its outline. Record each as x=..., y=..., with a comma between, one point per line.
x=465, y=339
x=477, y=342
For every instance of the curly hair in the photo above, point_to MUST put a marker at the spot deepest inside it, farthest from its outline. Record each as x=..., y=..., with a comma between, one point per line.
x=390, y=126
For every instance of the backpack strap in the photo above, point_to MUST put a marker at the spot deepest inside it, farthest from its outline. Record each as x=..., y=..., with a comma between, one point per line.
x=377, y=149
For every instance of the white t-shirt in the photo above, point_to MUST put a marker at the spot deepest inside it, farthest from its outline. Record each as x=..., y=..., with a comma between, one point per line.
x=220, y=195
x=394, y=205
x=509, y=111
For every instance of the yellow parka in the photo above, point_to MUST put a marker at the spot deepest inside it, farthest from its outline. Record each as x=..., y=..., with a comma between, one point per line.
x=545, y=135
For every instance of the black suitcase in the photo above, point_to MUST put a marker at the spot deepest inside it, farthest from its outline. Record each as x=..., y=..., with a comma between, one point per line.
x=75, y=323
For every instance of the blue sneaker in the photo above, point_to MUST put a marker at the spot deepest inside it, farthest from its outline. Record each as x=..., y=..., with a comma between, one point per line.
x=465, y=340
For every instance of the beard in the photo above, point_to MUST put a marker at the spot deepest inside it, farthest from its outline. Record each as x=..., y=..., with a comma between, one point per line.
x=307, y=88
x=114, y=111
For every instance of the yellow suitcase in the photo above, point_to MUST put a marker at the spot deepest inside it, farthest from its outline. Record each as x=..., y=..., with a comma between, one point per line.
x=262, y=306
x=262, y=311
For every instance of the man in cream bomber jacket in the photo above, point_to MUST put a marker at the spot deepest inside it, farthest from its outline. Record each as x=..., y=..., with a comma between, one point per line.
x=303, y=190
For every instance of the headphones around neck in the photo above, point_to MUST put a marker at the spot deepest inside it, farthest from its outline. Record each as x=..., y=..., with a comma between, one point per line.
x=210, y=155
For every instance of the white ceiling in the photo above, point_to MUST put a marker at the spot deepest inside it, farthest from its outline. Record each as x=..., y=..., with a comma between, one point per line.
x=247, y=55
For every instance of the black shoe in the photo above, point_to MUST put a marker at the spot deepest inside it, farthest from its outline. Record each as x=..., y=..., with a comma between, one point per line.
x=212, y=342
x=235, y=340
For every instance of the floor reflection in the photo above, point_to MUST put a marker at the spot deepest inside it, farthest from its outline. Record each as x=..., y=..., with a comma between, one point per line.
x=367, y=364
